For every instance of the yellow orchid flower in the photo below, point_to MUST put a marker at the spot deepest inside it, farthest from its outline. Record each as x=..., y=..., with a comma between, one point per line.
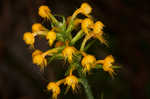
x=29, y=39
x=86, y=25
x=54, y=87
x=107, y=64
x=36, y=52
x=71, y=81
x=68, y=52
x=84, y=9
x=88, y=62
x=44, y=12
x=38, y=57
x=51, y=36
x=98, y=26
x=38, y=27
x=98, y=32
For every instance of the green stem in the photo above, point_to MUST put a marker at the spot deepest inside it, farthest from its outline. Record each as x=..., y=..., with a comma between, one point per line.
x=77, y=37
x=57, y=56
x=69, y=35
x=89, y=45
x=83, y=44
x=70, y=26
x=69, y=29
x=102, y=95
x=59, y=24
x=71, y=22
x=44, y=33
x=54, y=50
x=55, y=21
x=63, y=27
x=87, y=88
x=100, y=66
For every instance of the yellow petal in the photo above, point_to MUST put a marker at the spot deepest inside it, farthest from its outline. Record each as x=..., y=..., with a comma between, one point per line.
x=102, y=40
x=86, y=24
x=44, y=11
x=38, y=27
x=85, y=8
x=29, y=38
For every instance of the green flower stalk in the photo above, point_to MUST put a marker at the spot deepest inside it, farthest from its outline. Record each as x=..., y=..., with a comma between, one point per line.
x=87, y=88
x=79, y=35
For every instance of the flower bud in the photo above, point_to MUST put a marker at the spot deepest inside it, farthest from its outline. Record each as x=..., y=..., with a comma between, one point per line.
x=38, y=27
x=44, y=11
x=85, y=8
x=51, y=36
x=29, y=38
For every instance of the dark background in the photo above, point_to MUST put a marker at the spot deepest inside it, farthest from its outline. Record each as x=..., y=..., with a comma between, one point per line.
x=127, y=27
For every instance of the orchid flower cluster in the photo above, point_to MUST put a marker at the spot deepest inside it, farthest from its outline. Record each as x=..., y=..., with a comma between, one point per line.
x=62, y=39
